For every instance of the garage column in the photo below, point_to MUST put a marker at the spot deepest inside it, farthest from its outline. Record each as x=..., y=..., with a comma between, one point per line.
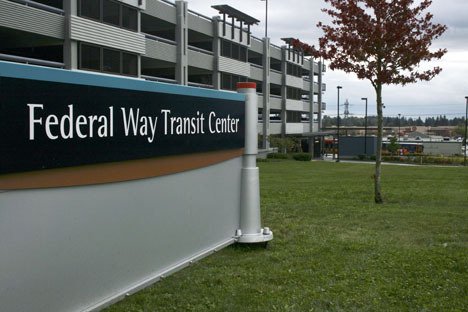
x=70, y=47
x=181, y=70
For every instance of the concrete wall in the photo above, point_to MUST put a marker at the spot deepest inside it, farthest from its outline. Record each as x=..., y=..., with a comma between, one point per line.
x=75, y=248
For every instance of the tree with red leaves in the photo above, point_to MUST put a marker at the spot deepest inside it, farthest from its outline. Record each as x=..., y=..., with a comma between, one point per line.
x=383, y=41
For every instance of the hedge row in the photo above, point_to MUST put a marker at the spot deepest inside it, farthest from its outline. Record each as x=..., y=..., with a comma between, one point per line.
x=296, y=156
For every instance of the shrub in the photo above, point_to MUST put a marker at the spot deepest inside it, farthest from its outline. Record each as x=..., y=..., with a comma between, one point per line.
x=286, y=144
x=425, y=159
x=302, y=157
x=277, y=156
x=393, y=146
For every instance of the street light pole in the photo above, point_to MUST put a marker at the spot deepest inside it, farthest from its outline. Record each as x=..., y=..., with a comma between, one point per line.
x=266, y=18
x=466, y=127
x=365, y=130
x=338, y=125
x=399, y=125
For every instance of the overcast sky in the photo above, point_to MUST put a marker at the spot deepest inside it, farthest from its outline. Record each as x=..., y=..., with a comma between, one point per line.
x=444, y=95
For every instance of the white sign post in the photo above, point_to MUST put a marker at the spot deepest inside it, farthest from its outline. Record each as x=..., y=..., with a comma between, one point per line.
x=250, y=230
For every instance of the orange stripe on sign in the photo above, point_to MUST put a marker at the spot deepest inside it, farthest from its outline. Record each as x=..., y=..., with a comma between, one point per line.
x=114, y=172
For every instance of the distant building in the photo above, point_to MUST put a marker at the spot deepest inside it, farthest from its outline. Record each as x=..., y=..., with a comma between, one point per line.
x=441, y=131
x=416, y=135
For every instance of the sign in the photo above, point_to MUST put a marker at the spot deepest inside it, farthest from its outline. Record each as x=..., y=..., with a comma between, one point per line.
x=50, y=124
x=66, y=135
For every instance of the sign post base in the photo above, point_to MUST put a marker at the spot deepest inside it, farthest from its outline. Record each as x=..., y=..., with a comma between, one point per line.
x=264, y=236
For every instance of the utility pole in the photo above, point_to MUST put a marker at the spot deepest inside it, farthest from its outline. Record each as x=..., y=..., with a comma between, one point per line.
x=365, y=129
x=399, y=125
x=266, y=18
x=466, y=127
x=338, y=125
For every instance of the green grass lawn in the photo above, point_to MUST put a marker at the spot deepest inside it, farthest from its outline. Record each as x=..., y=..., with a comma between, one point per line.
x=334, y=249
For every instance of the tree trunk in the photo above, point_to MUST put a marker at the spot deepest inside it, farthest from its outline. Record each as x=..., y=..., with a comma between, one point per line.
x=378, y=157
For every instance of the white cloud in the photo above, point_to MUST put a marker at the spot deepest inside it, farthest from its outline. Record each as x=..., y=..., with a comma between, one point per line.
x=445, y=94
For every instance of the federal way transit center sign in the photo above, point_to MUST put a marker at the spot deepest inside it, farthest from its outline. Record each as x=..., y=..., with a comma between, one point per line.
x=55, y=119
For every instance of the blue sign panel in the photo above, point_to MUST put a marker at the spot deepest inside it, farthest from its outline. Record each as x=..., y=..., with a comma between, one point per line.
x=55, y=118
